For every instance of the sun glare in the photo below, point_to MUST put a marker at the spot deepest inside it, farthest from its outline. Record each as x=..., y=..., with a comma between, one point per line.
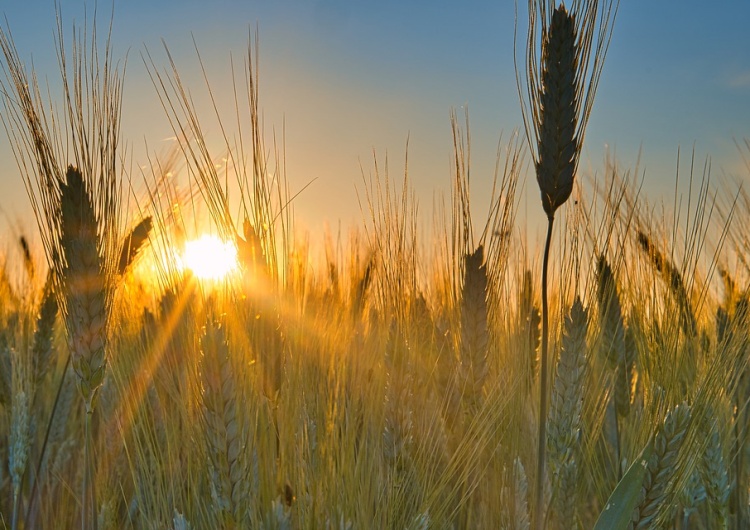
x=210, y=258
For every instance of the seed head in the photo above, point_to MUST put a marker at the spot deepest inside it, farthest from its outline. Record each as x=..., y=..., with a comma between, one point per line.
x=560, y=87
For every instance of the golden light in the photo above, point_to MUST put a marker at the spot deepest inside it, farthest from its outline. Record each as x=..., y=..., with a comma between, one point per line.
x=210, y=258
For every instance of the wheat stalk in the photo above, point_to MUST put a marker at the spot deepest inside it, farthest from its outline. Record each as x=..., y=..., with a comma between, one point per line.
x=560, y=89
x=530, y=320
x=6, y=378
x=78, y=209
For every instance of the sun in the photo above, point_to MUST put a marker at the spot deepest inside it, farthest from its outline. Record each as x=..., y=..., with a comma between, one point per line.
x=210, y=258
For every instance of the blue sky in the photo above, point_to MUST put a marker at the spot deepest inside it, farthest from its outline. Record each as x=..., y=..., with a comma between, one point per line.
x=349, y=77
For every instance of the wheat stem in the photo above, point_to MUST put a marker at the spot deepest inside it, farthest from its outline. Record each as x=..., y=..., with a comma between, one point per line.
x=34, y=487
x=88, y=502
x=542, y=441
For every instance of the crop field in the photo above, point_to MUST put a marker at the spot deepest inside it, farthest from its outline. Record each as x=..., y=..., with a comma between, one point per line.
x=185, y=358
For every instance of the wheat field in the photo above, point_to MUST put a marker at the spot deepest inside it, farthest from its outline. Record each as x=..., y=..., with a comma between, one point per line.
x=381, y=378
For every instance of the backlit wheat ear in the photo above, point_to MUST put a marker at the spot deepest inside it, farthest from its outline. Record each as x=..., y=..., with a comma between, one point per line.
x=84, y=285
x=674, y=281
x=558, y=143
x=28, y=261
x=559, y=89
x=567, y=393
x=133, y=243
x=43, y=334
x=474, y=334
x=617, y=339
x=610, y=314
x=250, y=251
x=360, y=290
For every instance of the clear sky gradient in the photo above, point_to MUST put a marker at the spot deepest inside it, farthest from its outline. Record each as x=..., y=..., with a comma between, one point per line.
x=349, y=77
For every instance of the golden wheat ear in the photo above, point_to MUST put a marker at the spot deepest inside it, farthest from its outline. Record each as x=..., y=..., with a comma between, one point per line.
x=83, y=284
x=28, y=261
x=133, y=244
x=474, y=334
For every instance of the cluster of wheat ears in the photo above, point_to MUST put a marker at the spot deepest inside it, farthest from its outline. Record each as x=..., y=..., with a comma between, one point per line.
x=402, y=382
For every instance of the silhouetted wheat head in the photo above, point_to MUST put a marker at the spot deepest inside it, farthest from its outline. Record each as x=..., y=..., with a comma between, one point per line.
x=558, y=92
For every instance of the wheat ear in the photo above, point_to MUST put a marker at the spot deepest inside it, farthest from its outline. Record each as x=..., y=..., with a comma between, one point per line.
x=84, y=285
x=86, y=301
x=20, y=429
x=520, y=493
x=567, y=392
x=28, y=261
x=565, y=411
x=133, y=243
x=474, y=334
x=558, y=144
x=43, y=333
x=223, y=426
x=617, y=340
x=661, y=467
x=674, y=281
x=714, y=472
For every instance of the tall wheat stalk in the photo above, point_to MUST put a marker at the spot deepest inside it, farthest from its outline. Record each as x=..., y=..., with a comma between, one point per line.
x=560, y=87
x=69, y=163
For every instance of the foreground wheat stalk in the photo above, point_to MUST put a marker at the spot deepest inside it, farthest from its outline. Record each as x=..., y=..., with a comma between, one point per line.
x=78, y=208
x=560, y=90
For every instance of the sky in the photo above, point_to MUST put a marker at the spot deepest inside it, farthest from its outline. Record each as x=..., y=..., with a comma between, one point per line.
x=347, y=81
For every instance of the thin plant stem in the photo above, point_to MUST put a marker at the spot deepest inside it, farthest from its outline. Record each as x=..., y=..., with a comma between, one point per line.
x=34, y=486
x=618, y=456
x=539, y=518
x=16, y=508
x=88, y=507
x=738, y=463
